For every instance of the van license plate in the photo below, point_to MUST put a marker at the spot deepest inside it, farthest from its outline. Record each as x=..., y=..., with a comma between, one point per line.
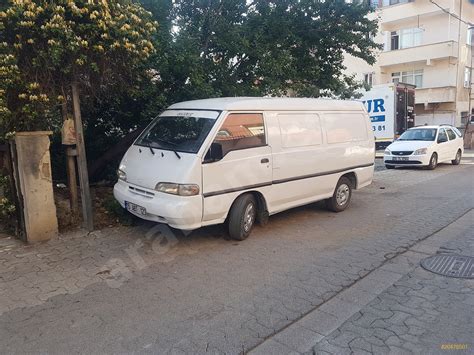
x=135, y=208
x=400, y=158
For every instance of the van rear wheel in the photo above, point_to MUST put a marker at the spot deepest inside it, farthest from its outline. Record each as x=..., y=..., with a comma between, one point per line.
x=242, y=217
x=341, y=197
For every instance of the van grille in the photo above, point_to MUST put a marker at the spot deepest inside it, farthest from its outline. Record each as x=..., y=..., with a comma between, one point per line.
x=141, y=192
x=403, y=152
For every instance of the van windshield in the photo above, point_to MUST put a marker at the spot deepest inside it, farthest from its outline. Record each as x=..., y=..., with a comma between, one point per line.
x=176, y=133
x=419, y=134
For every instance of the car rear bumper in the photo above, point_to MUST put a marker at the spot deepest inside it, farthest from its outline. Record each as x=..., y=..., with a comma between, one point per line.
x=181, y=212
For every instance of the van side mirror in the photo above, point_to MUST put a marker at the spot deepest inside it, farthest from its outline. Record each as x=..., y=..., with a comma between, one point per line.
x=442, y=139
x=214, y=153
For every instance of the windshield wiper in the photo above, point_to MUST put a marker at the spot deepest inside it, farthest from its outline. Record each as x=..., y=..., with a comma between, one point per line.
x=170, y=143
x=162, y=141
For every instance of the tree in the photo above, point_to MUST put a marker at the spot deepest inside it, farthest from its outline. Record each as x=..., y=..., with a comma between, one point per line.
x=49, y=45
x=53, y=49
x=265, y=47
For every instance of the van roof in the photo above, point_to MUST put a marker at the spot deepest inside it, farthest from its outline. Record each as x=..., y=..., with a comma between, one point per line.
x=270, y=104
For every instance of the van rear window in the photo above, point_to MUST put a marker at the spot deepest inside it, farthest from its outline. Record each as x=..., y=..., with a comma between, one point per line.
x=345, y=127
x=299, y=129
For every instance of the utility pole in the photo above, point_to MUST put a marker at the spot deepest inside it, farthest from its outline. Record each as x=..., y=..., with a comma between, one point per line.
x=470, y=28
x=82, y=161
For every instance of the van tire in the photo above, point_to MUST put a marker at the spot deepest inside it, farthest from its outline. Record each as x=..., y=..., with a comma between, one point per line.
x=341, y=197
x=457, y=159
x=433, y=162
x=242, y=217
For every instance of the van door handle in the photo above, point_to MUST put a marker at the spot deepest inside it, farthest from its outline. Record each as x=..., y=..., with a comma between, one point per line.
x=264, y=161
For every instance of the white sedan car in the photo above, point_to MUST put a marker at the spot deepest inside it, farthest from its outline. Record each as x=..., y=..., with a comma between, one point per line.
x=425, y=146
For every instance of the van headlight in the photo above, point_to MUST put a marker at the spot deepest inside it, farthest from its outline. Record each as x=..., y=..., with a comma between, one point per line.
x=177, y=189
x=421, y=151
x=387, y=152
x=121, y=175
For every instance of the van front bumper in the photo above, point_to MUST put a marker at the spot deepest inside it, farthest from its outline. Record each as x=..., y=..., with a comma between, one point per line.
x=408, y=160
x=181, y=212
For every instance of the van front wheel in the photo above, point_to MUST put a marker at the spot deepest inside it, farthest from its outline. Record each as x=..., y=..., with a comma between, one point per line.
x=341, y=197
x=242, y=217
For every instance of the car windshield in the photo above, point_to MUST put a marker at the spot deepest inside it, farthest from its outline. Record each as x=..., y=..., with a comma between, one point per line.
x=419, y=134
x=176, y=133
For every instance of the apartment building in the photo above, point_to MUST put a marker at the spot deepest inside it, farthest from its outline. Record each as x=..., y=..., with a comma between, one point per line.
x=428, y=43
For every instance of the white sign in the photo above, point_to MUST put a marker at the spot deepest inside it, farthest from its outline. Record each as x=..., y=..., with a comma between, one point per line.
x=380, y=104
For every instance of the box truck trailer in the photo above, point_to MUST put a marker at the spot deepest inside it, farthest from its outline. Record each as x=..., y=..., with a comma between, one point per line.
x=391, y=108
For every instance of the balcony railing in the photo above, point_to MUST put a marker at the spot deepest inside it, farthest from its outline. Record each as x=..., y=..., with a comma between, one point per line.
x=423, y=53
x=435, y=95
x=412, y=9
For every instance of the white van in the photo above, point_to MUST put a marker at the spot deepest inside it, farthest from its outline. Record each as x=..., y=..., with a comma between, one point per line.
x=242, y=159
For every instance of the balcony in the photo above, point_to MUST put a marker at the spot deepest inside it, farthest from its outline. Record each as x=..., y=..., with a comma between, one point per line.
x=435, y=95
x=390, y=15
x=424, y=53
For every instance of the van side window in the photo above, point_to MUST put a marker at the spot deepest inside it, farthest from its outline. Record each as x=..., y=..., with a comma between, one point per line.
x=299, y=129
x=451, y=134
x=241, y=131
x=345, y=127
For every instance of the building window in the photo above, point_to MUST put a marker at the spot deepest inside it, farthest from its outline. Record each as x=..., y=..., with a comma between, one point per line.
x=414, y=77
x=374, y=4
x=369, y=78
x=394, y=40
x=467, y=77
x=395, y=2
x=410, y=37
x=405, y=38
x=470, y=36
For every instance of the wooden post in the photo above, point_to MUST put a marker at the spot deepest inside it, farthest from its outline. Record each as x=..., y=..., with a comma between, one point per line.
x=82, y=161
x=71, y=171
x=72, y=180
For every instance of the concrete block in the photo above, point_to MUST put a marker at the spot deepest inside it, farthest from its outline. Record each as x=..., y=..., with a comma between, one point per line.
x=33, y=168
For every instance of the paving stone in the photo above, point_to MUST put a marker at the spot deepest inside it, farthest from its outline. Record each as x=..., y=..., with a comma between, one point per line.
x=302, y=258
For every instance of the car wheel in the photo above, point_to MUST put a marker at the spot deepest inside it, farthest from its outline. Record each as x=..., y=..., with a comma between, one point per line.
x=242, y=217
x=457, y=160
x=341, y=197
x=433, y=162
x=389, y=166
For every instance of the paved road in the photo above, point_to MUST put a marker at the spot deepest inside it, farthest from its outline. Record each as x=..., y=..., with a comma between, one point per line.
x=121, y=291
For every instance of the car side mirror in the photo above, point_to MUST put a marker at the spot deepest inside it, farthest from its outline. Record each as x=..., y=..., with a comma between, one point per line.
x=214, y=153
x=442, y=139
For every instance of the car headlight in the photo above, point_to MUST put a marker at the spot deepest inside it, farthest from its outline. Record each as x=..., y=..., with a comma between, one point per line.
x=121, y=175
x=420, y=151
x=387, y=152
x=177, y=189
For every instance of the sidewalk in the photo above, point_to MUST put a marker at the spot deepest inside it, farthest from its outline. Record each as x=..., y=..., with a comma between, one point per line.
x=399, y=308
